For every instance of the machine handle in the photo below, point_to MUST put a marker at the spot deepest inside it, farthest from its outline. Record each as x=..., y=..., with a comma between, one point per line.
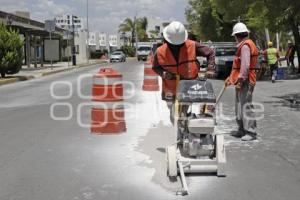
x=220, y=95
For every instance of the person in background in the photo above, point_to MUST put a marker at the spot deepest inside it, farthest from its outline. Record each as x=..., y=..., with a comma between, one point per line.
x=178, y=56
x=290, y=55
x=243, y=76
x=272, y=56
x=263, y=65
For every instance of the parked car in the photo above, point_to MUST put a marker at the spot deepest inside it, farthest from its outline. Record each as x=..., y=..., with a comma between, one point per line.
x=117, y=56
x=224, y=60
x=143, y=52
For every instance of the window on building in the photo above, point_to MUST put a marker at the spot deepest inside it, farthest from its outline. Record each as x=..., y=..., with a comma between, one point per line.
x=157, y=29
x=77, y=49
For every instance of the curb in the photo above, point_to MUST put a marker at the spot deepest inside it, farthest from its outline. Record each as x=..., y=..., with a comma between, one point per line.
x=10, y=80
x=71, y=68
x=57, y=71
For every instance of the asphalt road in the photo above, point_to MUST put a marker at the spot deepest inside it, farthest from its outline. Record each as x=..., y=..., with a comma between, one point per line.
x=45, y=159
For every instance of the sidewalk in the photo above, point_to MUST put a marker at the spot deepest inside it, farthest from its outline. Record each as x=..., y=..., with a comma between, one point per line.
x=31, y=73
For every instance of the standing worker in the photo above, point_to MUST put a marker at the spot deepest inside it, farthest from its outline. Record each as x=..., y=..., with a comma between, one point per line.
x=290, y=55
x=178, y=56
x=272, y=56
x=243, y=76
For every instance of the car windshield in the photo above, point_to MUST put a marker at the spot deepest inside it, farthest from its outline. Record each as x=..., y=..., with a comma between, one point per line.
x=144, y=48
x=226, y=51
x=116, y=53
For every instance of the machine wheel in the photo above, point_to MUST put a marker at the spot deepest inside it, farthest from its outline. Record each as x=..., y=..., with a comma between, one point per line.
x=172, y=170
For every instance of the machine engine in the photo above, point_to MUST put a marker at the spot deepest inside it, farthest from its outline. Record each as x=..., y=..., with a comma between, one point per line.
x=197, y=120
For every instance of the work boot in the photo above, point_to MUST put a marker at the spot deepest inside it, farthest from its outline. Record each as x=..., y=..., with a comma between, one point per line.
x=248, y=137
x=238, y=134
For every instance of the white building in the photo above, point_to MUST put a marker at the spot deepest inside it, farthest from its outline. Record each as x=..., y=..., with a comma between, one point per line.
x=102, y=40
x=81, y=48
x=68, y=20
x=113, y=40
x=156, y=26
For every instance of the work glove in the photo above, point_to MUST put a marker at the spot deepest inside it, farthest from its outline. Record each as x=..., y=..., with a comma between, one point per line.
x=228, y=82
x=238, y=86
x=168, y=76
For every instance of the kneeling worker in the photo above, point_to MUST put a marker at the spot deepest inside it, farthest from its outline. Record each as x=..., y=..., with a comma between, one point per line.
x=178, y=56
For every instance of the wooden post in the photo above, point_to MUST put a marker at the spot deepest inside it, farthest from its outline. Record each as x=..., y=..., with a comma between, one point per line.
x=28, y=49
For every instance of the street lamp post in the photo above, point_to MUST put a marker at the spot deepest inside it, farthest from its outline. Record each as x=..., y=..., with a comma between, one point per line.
x=74, y=47
x=88, y=31
x=136, y=34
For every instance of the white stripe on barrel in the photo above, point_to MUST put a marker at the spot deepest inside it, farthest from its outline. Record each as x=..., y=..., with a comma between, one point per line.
x=107, y=80
x=108, y=105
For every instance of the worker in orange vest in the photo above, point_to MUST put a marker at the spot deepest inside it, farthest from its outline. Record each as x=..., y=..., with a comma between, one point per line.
x=243, y=76
x=178, y=56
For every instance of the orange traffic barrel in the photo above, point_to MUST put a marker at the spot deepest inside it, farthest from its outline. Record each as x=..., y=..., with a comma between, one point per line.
x=108, y=116
x=150, y=78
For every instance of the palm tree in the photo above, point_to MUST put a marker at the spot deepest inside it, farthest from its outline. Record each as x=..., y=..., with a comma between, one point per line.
x=128, y=26
x=142, y=25
x=154, y=34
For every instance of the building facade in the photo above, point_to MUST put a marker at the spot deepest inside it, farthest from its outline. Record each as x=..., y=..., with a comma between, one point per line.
x=69, y=21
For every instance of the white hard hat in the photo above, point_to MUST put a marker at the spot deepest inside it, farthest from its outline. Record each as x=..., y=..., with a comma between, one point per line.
x=175, y=33
x=240, y=28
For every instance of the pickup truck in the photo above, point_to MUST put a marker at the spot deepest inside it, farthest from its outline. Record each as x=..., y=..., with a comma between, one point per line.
x=143, y=52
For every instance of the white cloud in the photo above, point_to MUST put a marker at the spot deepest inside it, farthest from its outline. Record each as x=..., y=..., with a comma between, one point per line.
x=105, y=15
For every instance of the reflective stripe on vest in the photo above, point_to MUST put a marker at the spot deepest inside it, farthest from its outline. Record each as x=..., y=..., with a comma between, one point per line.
x=272, y=56
x=237, y=62
x=187, y=66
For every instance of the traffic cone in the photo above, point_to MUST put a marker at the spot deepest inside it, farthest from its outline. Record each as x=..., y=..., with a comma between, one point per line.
x=150, y=78
x=108, y=116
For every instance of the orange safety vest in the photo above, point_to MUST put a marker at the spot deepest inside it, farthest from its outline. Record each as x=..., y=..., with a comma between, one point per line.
x=235, y=72
x=187, y=66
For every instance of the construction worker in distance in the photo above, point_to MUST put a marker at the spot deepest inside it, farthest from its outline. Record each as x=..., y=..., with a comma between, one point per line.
x=243, y=77
x=178, y=56
x=272, y=57
x=290, y=55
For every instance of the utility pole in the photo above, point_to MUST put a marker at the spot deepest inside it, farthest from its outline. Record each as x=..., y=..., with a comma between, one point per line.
x=50, y=36
x=136, y=34
x=277, y=41
x=267, y=34
x=87, y=30
x=74, y=47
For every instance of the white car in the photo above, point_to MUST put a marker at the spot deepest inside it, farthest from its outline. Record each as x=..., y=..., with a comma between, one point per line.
x=117, y=56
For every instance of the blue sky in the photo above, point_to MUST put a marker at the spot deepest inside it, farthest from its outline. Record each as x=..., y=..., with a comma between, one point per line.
x=105, y=15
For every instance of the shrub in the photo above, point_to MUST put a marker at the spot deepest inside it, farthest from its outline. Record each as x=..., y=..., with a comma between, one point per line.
x=11, y=51
x=96, y=54
x=128, y=50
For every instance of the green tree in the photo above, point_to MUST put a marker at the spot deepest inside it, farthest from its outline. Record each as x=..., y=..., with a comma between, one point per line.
x=154, y=34
x=129, y=25
x=202, y=23
x=142, y=26
x=213, y=19
x=11, y=53
x=285, y=15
